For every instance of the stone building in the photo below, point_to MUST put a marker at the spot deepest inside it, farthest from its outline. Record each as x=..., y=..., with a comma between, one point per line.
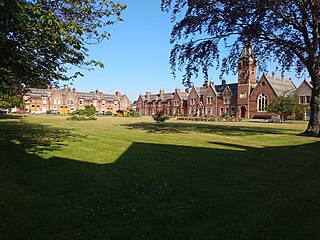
x=303, y=96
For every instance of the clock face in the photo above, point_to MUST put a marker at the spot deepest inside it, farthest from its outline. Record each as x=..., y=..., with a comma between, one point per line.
x=243, y=75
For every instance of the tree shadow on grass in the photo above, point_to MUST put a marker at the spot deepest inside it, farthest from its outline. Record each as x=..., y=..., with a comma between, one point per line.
x=157, y=191
x=11, y=116
x=228, y=130
x=35, y=138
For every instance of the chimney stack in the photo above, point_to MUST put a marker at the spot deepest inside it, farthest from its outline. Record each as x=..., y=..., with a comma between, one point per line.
x=118, y=94
x=177, y=90
x=65, y=87
x=186, y=90
x=205, y=83
x=224, y=82
x=148, y=93
x=161, y=92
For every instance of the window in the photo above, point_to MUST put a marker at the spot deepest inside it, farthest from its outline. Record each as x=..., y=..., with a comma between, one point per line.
x=192, y=101
x=262, y=103
x=209, y=100
x=206, y=111
x=221, y=111
x=95, y=103
x=80, y=102
x=211, y=111
x=301, y=99
x=139, y=104
x=176, y=103
x=307, y=99
x=44, y=100
x=103, y=103
x=70, y=102
x=243, y=95
x=232, y=111
x=226, y=99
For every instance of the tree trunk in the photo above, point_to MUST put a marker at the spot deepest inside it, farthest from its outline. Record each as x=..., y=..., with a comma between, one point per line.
x=314, y=122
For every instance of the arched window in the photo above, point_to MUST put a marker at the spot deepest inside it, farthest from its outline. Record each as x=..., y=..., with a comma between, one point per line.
x=262, y=102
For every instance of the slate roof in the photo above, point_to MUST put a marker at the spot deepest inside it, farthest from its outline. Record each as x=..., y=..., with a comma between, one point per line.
x=166, y=97
x=153, y=97
x=201, y=90
x=38, y=93
x=156, y=97
x=184, y=95
x=233, y=88
x=281, y=85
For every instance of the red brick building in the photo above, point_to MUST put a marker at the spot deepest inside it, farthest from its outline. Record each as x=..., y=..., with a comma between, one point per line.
x=66, y=100
x=246, y=99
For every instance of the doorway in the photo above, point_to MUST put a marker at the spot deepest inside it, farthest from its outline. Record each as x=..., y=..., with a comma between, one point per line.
x=243, y=110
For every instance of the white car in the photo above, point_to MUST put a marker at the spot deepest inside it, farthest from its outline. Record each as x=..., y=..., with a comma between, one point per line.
x=37, y=112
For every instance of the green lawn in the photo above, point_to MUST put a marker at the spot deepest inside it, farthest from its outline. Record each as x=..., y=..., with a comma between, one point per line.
x=129, y=178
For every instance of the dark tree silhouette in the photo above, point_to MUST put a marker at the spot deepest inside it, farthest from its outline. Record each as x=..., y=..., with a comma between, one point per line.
x=287, y=31
x=41, y=39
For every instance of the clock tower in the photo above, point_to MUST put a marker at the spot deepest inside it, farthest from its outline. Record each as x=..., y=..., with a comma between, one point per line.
x=247, y=75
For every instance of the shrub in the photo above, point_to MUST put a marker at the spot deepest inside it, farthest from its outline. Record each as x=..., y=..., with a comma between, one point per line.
x=160, y=117
x=88, y=113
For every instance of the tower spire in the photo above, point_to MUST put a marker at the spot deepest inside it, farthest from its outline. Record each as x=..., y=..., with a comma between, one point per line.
x=247, y=51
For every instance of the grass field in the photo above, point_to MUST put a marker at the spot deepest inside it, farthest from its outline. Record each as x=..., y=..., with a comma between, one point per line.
x=129, y=178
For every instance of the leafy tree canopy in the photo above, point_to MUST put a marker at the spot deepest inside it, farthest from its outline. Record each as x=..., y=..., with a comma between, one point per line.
x=287, y=31
x=284, y=105
x=40, y=39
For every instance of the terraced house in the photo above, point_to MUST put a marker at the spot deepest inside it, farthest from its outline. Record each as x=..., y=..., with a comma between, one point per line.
x=248, y=98
x=65, y=100
x=174, y=103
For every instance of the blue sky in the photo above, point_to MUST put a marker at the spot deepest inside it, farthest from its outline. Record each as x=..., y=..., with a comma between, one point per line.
x=136, y=58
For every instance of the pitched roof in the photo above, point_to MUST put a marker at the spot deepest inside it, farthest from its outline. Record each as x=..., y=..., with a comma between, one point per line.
x=183, y=95
x=37, y=92
x=153, y=97
x=232, y=86
x=281, y=85
x=201, y=90
x=166, y=97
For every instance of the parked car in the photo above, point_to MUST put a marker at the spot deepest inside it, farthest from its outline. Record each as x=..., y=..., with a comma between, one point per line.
x=37, y=112
x=3, y=111
x=55, y=112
